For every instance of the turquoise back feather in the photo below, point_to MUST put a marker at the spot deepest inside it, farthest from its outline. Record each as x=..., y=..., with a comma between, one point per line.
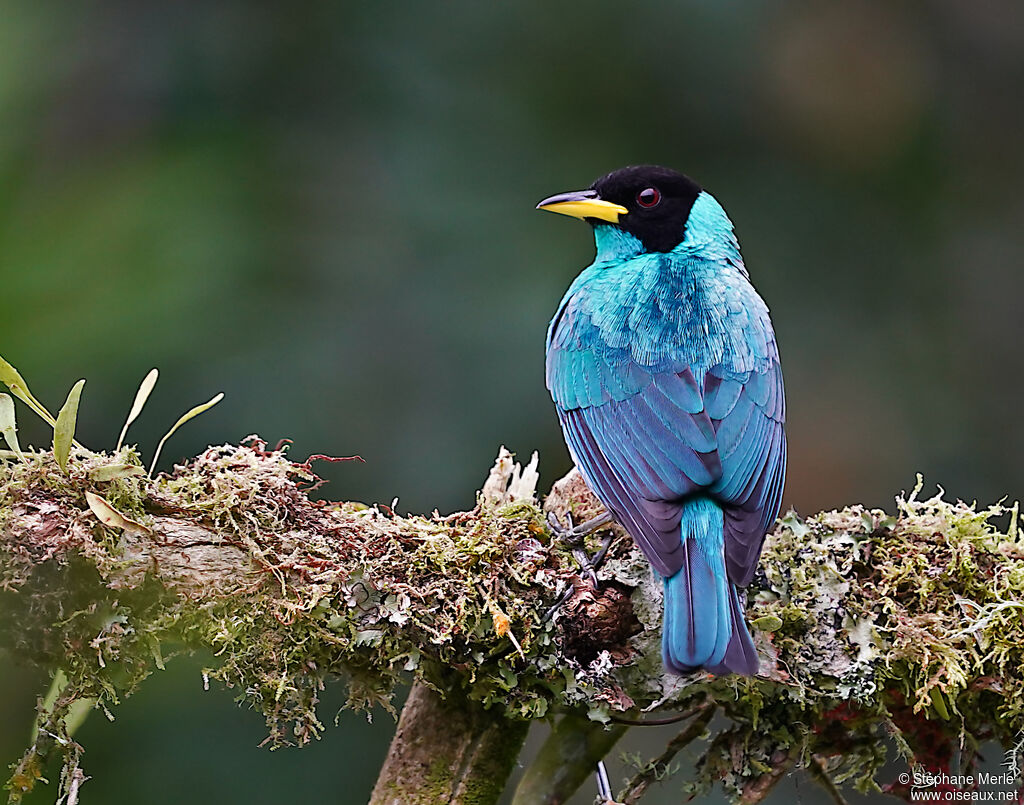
x=665, y=373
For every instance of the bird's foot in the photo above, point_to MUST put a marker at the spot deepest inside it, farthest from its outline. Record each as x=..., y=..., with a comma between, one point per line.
x=573, y=536
x=573, y=533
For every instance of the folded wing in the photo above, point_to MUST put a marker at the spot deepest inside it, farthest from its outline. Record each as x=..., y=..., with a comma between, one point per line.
x=647, y=437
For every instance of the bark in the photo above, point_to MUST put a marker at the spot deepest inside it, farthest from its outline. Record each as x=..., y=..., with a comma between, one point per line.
x=448, y=750
x=567, y=758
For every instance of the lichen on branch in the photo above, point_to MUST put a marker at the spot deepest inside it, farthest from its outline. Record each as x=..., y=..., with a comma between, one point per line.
x=869, y=624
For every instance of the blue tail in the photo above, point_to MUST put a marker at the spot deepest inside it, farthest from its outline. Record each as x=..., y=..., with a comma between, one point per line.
x=703, y=625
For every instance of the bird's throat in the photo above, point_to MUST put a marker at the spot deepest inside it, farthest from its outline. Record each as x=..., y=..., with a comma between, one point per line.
x=614, y=244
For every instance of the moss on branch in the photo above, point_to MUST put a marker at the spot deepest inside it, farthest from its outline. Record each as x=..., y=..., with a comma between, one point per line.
x=907, y=625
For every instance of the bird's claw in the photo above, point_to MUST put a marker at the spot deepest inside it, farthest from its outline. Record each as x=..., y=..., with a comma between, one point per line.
x=558, y=604
x=568, y=533
x=573, y=536
x=586, y=566
x=573, y=533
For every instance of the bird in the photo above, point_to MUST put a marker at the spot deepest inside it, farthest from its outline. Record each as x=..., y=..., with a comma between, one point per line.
x=664, y=369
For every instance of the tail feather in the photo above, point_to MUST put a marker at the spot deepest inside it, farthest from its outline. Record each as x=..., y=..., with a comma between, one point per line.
x=703, y=624
x=740, y=656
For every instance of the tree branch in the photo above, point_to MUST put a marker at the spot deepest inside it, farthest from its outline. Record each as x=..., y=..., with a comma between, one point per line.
x=869, y=625
x=448, y=750
x=567, y=758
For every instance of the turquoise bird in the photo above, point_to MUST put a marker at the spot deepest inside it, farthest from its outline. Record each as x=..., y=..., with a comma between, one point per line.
x=664, y=370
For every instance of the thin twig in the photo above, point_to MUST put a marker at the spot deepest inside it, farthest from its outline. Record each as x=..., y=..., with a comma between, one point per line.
x=756, y=790
x=638, y=786
x=820, y=775
x=657, y=722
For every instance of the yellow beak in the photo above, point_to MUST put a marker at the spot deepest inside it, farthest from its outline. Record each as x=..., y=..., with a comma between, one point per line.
x=583, y=204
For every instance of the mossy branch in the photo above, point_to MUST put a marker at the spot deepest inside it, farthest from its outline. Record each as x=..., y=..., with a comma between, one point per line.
x=908, y=626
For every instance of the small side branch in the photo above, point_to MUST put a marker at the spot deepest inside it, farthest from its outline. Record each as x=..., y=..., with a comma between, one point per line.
x=658, y=767
x=819, y=773
x=756, y=790
x=567, y=759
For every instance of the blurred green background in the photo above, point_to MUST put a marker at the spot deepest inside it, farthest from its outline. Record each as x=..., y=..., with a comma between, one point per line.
x=326, y=211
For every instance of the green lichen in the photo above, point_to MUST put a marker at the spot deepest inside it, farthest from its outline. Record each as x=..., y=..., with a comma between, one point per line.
x=333, y=590
x=871, y=625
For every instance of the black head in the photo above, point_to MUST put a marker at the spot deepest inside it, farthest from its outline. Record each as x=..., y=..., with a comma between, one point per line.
x=658, y=200
x=650, y=202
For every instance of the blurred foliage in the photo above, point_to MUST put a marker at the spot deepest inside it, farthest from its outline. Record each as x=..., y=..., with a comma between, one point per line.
x=326, y=212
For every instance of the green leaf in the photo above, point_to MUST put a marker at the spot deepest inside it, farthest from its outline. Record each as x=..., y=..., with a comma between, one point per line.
x=10, y=377
x=78, y=711
x=939, y=703
x=8, y=426
x=145, y=389
x=185, y=418
x=64, y=427
x=368, y=637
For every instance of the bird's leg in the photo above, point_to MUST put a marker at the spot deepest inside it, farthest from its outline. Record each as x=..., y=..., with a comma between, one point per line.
x=573, y=536
x=604, y=786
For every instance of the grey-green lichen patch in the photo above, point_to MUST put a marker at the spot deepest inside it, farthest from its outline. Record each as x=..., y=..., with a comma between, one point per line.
x=907, y=626
x=870, y=624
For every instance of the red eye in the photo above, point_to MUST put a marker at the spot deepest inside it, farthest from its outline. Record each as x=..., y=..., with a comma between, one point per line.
x=649, y=197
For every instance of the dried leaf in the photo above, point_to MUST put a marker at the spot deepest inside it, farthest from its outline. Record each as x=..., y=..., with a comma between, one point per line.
x=110, y=516
x=145, y=389
x=64, y=427
x=8, y=426
x=111, y=472
x=185, y=418
x=158, y=657
x=10, y=377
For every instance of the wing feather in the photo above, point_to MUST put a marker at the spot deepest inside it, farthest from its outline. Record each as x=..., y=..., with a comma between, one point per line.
x=648, y=429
